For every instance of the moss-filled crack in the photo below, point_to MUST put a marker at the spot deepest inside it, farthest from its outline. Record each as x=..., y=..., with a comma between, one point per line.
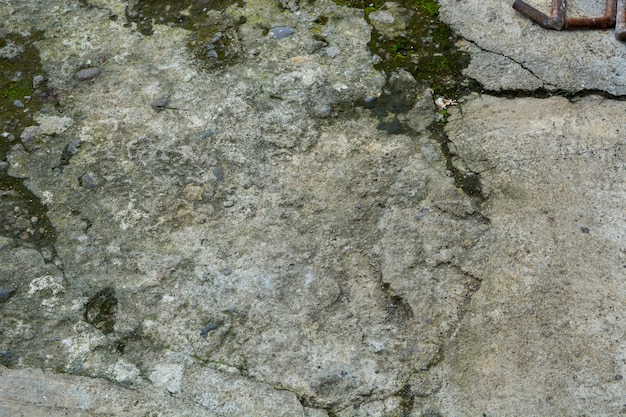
x=23, y=92
x=467, y=181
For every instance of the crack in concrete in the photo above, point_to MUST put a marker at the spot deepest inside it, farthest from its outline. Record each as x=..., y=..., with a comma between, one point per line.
x=521, y=64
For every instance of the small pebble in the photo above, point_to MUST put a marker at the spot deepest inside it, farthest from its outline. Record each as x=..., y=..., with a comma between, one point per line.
x=5, y=293
x=216, y=37
x=159, y=104
x=212, y=54
x=322, y=110
x=38, y=80
x=18, y=103
x=88, y=74
x=4, y=165
x=208, y=328
x=72, y=147
x=208, y=134
x=218, y=172
x=89, y=180
x=46, y=253
x=280, y=32
x=369, y=102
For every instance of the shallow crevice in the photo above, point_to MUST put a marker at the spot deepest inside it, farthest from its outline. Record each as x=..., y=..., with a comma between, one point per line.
x=571, y=95
x=468, y=182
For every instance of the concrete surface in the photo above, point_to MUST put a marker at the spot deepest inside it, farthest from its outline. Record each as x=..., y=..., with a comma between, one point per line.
x=262, y=245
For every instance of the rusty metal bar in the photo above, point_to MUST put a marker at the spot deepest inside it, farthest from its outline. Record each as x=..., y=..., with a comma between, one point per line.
x=614, y=16
x=555, y=21
x=605, y=22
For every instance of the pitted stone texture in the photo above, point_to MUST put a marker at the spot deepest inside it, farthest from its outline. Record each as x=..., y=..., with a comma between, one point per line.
x=544, y=334
x=510, y=43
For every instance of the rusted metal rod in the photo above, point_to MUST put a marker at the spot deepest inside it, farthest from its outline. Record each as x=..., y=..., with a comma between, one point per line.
x=604, y=22
x=555, y=21
x=614, y=16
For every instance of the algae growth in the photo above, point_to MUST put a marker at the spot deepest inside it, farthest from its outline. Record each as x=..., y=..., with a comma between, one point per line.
x=214, y=41
x=427, y=50
x=22, y=214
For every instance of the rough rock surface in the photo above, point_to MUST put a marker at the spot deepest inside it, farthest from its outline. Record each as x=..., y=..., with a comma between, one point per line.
x=259, y=245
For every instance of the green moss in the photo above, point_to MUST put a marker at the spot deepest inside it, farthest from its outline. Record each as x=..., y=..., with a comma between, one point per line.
x=16, y=90
x=429, y=7
x=16, y=75
x=427, y=50
x=187, y=14
x=210, y=51
x=362, y=4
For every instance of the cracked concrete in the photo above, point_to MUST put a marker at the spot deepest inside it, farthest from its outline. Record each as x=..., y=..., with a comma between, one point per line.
x=261, y=246
x=545, y=330
x=509, y=45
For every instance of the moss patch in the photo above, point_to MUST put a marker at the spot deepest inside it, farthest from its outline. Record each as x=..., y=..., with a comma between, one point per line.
x=22, y=215
x=428, y=51
x=213, y=42
x=188, y=14
x=428, y=7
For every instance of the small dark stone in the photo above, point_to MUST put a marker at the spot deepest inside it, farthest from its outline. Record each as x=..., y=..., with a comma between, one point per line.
x=72, y=147
x=208, y=328
x=208, y=134
x=90, y=180
x=88, y=74
x=70, y=150
x=281, y=32
x=218, y=172
x=38, y=80
x=50, y=96
x=4, y=165
x=584, y=230
x=6, y=293
x=159, y=104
